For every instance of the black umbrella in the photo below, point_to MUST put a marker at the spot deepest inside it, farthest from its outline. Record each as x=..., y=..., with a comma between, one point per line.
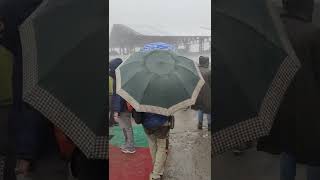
x=64, y=66
x=254, y=64
x=316, y=13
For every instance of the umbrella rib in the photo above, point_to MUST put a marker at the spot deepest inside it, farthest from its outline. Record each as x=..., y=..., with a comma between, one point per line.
x=132, y=63
x=248, y=25
x=238, y=84
x=195, y=74
x=148, y=84
x=133, y=74
x=61, y=58
x=154, y=78
x=186, y=90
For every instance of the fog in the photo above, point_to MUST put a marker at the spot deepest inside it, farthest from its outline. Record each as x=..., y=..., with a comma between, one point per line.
x=173, y=13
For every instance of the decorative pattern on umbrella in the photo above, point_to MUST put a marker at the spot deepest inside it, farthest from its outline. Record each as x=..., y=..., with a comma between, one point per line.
x=248, y=85
x=57, y=69
x=158, y=81
x=2, y=165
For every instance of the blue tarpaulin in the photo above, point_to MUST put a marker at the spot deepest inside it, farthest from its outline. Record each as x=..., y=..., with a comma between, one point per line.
x=158, y=45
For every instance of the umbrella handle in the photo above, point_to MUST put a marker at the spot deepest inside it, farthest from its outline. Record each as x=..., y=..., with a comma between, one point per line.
x=171, y=122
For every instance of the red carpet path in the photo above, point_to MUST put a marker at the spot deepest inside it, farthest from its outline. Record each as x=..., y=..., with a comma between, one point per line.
x=129, y=166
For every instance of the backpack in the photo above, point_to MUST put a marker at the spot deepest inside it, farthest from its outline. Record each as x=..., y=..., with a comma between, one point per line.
x=137, y=116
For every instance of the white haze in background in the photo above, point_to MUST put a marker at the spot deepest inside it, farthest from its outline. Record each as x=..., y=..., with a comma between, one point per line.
x=173, y=13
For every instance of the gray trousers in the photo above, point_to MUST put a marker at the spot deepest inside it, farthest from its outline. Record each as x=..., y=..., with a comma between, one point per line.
x=126, y=125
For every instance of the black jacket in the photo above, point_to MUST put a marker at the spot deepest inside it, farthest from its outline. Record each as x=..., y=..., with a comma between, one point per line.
x=14, y=12
x=203, y=101
x=296, y=128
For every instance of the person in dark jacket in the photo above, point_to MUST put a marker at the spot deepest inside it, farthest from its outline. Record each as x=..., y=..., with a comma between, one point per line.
x=120, y=111
x=6, y=149
x=112, y=122
x=24, y=125
x=205, y=93
x=31, y=133
x=296, y=129
x=13, y=13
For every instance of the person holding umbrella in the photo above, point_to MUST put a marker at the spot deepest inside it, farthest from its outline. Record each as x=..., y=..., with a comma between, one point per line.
x=157, y=82
x=20, y=127
x=157, y=128
x=295, y=132
x=120, y=111
x=6, y=150
x=205, y=93
x=26, y=123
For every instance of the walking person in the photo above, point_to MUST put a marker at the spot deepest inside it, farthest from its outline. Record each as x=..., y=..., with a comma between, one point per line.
x=25, y=122
x=121, y=112
x=295, y=131
x=203, y=104
x=157, y=129
x=200, y=120
x=12, y=14
x=112, y=122
x=27, y=128
x=6, y=147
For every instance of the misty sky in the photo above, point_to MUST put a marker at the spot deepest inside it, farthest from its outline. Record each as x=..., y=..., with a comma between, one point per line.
x=161, y=12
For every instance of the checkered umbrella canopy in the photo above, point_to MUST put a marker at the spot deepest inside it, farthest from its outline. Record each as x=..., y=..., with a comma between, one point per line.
x=64, y=55
x=2, y=166
x=254, y=64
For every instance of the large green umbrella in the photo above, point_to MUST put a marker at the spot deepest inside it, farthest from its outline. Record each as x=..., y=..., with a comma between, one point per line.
x=159, y=81
x=64, y=69
x=253, y=66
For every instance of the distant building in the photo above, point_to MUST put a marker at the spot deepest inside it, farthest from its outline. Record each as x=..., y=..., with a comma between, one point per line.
x=125, y=39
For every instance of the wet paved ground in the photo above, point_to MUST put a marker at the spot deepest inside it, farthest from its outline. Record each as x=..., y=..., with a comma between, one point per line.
x=189, y=158
x=189, y=155
x=50, y=168
x=252, y=165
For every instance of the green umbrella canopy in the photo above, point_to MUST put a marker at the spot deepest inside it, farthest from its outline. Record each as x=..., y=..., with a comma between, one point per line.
x=159, y=81
x=64, y=67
